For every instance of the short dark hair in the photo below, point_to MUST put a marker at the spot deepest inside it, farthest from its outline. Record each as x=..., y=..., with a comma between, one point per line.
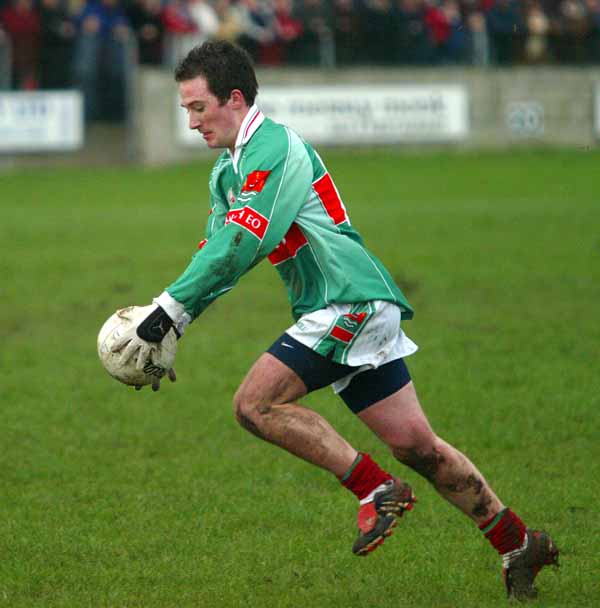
x=225, y=67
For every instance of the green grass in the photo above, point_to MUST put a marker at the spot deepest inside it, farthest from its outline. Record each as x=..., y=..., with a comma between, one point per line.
x=112, y=498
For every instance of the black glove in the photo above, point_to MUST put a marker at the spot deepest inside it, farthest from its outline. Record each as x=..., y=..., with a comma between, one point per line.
x=156, y=326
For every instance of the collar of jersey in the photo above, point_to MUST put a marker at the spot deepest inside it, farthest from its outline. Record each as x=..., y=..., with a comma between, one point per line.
x=249, y=125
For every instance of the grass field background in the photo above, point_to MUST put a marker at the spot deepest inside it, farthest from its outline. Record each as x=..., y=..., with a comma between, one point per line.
x=113, y=498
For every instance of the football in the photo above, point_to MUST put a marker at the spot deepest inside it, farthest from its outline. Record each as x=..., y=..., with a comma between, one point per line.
x=113, y=329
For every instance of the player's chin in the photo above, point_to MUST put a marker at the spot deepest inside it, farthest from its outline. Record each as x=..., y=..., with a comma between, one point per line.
x=210, y=140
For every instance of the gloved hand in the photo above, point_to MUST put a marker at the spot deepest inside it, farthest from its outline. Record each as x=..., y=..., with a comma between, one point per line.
x=156, y=383
x=142, y=341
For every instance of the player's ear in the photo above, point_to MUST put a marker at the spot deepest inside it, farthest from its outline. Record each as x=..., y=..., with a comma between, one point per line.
x=237, y=99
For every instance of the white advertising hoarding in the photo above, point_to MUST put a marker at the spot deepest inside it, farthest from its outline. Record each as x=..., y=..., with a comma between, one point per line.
x=349, y=114
x=39, y=121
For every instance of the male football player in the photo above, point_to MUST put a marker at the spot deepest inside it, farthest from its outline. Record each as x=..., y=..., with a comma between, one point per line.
x=271, y=196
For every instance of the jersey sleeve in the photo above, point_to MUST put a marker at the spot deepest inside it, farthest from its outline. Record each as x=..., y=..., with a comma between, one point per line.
x=276, y=180
x=218, y=202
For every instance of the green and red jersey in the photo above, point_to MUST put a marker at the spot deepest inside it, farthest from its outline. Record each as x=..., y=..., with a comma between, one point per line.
x=274, y=198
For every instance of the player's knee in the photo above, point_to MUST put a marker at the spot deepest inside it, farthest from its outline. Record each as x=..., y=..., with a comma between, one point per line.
x=242, y=406
x=248, y=412
x=421, y=452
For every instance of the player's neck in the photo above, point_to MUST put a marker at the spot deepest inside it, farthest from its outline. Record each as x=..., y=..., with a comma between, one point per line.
x=239, y=118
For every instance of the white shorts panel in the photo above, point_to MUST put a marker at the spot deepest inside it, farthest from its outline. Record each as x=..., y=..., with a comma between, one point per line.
x=380, y=341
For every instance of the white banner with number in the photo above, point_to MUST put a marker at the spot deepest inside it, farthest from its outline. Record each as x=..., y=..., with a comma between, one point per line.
x=39, y=121
x=352, y=114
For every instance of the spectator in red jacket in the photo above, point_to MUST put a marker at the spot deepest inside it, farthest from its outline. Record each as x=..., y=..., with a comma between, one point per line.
x=454, y=49
x=187, y=23
x=21, y=21
x=286, y=30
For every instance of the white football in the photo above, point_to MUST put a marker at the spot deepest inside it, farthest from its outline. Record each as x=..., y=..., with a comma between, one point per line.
x=113, y=329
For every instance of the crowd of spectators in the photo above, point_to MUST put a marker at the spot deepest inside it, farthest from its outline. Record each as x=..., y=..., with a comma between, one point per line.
x=64, y=43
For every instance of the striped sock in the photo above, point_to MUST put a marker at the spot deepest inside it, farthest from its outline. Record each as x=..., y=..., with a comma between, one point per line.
x=364, y=476
x=505, y=531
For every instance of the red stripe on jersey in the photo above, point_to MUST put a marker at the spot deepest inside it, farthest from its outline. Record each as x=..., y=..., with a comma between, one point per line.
x=250, y=219
x=202, y=243
x=289, y=246
x=327, y=192
x=342, y=334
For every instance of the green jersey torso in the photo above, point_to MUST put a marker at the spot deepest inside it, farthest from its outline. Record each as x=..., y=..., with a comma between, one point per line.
x=275, y=199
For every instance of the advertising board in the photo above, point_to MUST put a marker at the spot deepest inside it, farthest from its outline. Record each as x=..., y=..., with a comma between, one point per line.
x=361, y=115
x=39, y=121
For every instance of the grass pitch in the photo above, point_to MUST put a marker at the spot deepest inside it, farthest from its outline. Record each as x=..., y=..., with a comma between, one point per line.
x=112, y=498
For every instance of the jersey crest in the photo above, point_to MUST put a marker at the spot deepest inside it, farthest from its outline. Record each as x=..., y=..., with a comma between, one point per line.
x=230, y=197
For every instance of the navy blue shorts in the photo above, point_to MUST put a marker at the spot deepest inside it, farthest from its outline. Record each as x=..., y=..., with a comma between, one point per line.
x=317, y=371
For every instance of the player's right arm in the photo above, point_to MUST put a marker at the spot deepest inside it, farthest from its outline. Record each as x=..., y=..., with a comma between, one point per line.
x=275, y=178
x=140, y=340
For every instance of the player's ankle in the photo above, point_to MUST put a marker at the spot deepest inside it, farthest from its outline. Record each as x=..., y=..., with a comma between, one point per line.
x=505, y=531
x=364, y=476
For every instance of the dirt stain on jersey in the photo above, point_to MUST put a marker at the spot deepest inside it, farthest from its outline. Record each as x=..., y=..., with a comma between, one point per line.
x=223, y=266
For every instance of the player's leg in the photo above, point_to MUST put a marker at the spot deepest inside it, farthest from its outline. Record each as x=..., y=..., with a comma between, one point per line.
x=265, y=404
x=400, y=422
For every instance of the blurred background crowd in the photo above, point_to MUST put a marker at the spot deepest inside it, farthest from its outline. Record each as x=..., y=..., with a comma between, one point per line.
x=54, y=44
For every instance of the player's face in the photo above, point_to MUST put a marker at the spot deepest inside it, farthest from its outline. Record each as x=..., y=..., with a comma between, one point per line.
x=217, y=123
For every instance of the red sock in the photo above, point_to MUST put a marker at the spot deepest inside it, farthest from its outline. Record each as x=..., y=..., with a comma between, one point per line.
x=364, y=476
x=505, y=531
